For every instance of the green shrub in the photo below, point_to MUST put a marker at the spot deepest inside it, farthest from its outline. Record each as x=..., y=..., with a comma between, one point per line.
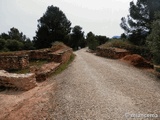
x=14, y=45
x=93, y=44
x=157, y=69
x=153, y=40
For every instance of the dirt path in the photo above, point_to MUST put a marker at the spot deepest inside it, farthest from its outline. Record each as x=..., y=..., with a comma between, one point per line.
x=95, y=88
x=92, y=88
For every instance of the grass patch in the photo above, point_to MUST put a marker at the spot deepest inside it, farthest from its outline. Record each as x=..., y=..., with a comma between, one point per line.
x=23, y=71
x=37, y=63
x=64, y=65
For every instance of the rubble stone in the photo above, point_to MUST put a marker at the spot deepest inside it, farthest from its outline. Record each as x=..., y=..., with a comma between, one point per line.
x=14, y=62
x=112, y=52
x=19, y=81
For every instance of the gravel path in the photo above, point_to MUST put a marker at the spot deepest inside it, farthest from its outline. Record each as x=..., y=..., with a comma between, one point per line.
x=95, y=88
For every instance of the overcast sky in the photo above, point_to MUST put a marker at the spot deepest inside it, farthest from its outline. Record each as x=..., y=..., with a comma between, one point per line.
x=102, y=17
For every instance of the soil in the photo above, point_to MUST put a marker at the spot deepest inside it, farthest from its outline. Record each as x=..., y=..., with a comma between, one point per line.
x=137, y=60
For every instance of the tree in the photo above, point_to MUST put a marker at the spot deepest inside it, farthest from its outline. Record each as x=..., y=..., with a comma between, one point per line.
x=77, y=38
x=123, y=36
x=139, y=21
x=92, y=42
x=14, y=45
x=4, y=36
x=2, y=44
x=14, y=41
x=52, y=26
x=28, y=45
x=153, y=39
x=101, y=39
x=14, y=34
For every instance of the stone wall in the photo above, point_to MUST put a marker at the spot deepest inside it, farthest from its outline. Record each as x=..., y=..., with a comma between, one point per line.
x=61, y=56
x=41, y=54
x=44, y=71
x=113, y=53
x=13, y=62
x=20, y=60
x=66, y=55
x=19, y=81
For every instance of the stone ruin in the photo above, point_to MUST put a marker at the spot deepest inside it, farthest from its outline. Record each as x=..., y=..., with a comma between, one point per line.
x=18, y=81
x=123, y=54
x=43, y=72
x=112, y=52
x=14, y=62
x=56, y=55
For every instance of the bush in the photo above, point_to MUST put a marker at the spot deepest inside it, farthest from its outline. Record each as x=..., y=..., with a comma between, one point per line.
x=93, y=43
x=153, y=40
x=14, y=45
x=2, y=44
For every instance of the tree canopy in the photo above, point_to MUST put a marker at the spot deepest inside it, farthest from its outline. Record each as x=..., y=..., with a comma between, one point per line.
x=77, y=38
x=15, y=34
x=14, y=40
x=92, y=42
x=95, y=40
x=138, y=22
x=52, y=26
x=153, y=40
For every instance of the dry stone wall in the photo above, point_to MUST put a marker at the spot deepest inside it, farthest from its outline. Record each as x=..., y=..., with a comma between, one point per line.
x=39, y=54
x=19, y=81
x=13, y=62
x=20, y=60
x=43, y=72
x=113, y=53
x=61, y=56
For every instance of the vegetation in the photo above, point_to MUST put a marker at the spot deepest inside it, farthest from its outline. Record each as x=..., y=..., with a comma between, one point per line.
x=143, y=51
x=14, y=41
x=138, y=24
x=77, y=38
x=153, y=39
x=142, y=34
x=94, y=41
x=52, y=26
x=142, y=27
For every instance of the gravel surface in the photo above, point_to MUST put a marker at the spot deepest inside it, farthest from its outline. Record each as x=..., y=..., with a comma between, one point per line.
x=96, y=88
